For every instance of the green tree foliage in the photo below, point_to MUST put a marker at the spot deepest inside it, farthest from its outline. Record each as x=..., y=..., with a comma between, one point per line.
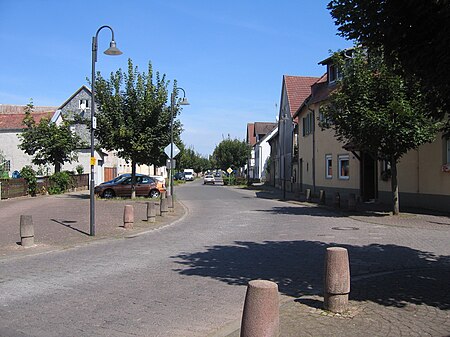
x=48, y=142
x=231, y=153
x=413, y=33
x=377, y=112
x=133, y=118
x=189, y=158
x=29, y=175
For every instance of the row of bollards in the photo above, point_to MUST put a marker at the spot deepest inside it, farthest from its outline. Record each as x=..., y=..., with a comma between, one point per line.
x=154, y=209
x=261, y=318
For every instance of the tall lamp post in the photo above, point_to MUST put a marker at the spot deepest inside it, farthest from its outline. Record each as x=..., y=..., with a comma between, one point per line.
x=182, y=101
x=112, y=50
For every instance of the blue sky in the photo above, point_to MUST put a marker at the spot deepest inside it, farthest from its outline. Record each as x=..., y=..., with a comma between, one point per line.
x=229, y=56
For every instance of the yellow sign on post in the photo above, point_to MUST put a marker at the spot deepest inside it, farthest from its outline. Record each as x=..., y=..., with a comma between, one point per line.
x=93, y=161
x=229, y=170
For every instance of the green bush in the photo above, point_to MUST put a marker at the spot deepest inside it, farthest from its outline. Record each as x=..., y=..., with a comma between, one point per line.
x=29, y=175
x=60, y=182
x=79, y=169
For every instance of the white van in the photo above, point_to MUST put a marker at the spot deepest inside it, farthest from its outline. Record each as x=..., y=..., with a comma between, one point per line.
x=188, y=174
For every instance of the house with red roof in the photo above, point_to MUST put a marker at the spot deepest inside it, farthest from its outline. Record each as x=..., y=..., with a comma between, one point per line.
x=11, y=117
x=257, y=133
x=322, y=163
x=294, y=91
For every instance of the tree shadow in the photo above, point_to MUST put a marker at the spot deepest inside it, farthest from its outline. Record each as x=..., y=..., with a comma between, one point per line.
x=398, y=274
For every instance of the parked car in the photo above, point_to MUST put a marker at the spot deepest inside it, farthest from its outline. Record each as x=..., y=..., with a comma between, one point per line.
x=120, y=177
x=209, y=179
x=178, y=176
x=145, y=187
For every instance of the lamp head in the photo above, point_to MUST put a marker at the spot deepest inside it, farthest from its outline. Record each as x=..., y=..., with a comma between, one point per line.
x=184, y=101
x=112, y=50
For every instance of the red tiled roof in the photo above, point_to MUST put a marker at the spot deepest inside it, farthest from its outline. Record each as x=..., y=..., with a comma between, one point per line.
x=263, y=128
x=251, y=139
x=298, y=88
x=14, y=121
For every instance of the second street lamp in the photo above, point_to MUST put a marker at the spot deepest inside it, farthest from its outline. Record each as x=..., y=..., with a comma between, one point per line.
x=182, y=101
x=112, y=50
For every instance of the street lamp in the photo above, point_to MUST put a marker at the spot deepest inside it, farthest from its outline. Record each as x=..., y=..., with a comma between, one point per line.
x=182, y=101
x=112, y=50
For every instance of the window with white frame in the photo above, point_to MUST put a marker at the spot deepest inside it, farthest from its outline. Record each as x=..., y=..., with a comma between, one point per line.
x=83, y=104
x=328, y=166
x=333, y=73
x=344, y=167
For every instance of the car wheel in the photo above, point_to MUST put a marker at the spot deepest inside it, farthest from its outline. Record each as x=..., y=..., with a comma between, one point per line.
x=108, y=194
x=154, y=194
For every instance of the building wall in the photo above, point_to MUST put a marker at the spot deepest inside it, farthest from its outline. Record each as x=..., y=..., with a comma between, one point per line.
x=9, y=145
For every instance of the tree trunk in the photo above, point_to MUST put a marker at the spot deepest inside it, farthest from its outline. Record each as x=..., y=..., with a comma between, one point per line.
x=57, y=167
x=133, y=179
x=394, y=187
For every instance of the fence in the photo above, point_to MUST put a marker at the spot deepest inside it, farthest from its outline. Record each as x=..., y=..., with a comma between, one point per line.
x=13, y=188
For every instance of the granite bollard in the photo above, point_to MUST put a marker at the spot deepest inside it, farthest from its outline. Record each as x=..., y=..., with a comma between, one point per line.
x=26, y=231
x=261, y=315
x=128, y=216
x=151, y=212
x=336, y=279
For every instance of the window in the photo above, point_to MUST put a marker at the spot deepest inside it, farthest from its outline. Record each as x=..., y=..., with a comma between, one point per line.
x=308, y=124
x=344, y=167
x=328, y=166
x=83, y=104
x=333, y=73
x=5, y=166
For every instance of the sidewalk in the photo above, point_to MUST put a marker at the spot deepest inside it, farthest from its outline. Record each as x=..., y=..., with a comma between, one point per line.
x=402, y=302
x=62, y=221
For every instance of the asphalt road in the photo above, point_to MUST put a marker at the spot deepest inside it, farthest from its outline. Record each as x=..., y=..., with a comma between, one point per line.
x=189, y=279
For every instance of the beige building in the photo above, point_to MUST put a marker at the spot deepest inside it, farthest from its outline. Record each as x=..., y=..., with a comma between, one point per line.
x=326, y=164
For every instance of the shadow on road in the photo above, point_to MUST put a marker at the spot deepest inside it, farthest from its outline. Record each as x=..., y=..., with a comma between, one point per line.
x=67, y=223
x=398, y=274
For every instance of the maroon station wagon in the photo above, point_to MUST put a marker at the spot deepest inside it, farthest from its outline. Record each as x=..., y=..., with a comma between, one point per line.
x=145, y=187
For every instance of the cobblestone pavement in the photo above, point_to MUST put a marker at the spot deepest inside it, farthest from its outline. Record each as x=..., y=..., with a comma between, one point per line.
x=62, y=221
x=397, y=302
x=409, y=298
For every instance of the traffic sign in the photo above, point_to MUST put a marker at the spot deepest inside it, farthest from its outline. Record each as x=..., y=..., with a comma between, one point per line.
x=176, y=150
x=229, y=170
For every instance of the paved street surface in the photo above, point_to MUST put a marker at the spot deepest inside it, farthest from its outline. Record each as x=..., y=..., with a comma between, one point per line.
x=189, y=277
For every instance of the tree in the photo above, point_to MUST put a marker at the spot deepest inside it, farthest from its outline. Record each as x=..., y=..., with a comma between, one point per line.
x=48, y=142
x=133, y=118
x=377, y=112
x=189, y=158
x=413, y=33
x=231, y=153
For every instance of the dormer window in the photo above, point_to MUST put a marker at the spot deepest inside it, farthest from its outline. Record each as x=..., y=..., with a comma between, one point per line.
x=333, y=73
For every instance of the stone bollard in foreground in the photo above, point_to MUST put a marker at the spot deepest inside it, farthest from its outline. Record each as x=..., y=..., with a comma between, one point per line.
x=128, y=217
x=163, y=195
x=351, y=201
x=151, y=212
x=163, y=207
x=158, y=208
x=26, y=231
x=336, y=280
x=261, y=315
x=308, y=194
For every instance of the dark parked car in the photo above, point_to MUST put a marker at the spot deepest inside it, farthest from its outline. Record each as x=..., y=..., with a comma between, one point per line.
x=145, y=187
x=178, y=176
